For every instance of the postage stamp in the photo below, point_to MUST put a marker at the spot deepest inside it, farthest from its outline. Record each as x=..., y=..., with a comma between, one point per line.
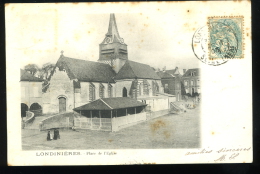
x=225, y=37
x=200, y=47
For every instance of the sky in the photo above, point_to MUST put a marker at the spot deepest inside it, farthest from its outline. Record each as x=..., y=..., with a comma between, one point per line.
x=157, y=37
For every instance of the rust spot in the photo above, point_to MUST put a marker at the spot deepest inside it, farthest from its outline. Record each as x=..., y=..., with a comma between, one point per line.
x=142, y=40
x=195, y=45
x=89, y=32
x=243, y=127
x=145, y=25
x=157, y=125
x=247, y=34
x=212, y=133
x=110, y=141
x=167, y=134
x=158, y=9
x=230, y=76
x=188, y=11
x=141, y=14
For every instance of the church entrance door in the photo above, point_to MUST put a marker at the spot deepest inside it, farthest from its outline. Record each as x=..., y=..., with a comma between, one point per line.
x=62, y=104
x=124, y=92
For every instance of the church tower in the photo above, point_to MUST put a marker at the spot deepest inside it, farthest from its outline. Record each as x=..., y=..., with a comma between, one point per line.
x=113, y=50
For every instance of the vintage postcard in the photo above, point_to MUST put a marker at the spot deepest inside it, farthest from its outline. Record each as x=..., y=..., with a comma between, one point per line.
x=129, y=83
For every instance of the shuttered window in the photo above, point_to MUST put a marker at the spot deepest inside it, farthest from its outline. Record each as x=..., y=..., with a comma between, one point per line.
x=110, y=90
x=146, y=87
x=92, y=92
x=101, y=90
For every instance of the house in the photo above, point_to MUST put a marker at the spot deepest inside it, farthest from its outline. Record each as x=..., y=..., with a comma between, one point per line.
x=191, y=81
x=31, y=93
x=171, y=81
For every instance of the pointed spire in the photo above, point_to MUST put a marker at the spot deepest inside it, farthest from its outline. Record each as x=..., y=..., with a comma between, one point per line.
x=112, y=28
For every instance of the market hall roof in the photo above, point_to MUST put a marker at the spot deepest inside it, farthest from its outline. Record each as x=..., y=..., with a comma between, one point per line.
x=25, y=76
x=135, y=70
x=86, y=71
x=110, y=104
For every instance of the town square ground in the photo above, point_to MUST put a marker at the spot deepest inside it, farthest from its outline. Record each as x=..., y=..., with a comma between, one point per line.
x=169, y=131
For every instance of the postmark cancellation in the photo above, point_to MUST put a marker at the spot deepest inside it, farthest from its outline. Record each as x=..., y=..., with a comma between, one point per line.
x=225, y=37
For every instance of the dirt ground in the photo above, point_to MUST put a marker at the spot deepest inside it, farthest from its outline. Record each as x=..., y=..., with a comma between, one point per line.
x=169, y=131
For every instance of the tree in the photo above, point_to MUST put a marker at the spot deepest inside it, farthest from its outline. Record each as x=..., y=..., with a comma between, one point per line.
x=31, y=68
x=46, y=70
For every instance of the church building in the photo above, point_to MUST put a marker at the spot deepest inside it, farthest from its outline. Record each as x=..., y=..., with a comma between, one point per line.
x=76, y=82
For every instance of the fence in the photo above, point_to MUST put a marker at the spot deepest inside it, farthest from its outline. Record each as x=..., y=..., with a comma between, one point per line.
x=93, y=123
x=125, y=121
x=64, y=120
x=152, y=115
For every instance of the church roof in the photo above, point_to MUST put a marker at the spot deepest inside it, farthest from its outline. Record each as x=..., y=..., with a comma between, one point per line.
x=25, y=76
x=86, y=71
x=135, y=70
x=110, y=104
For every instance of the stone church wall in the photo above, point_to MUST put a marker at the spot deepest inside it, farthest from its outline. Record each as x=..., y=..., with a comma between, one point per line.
x=60, y=86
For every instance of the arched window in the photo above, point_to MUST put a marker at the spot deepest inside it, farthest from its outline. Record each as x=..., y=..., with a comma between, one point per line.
x=92, y=92
x=101, y=90
x=124, y=92
x=110, y=90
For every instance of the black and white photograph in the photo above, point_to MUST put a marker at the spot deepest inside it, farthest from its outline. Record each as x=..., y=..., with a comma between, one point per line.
x=87, y=82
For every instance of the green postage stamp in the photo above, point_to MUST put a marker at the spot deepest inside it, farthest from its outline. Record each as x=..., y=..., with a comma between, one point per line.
x=226, y=37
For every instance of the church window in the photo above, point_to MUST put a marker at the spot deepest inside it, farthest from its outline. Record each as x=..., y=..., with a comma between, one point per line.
x=109, y=90
x=101, y=90
x=92, y=92
x=146, y=87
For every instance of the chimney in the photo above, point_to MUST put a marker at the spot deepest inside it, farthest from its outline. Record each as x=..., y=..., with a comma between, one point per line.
x=184, y=71
x=164, y=68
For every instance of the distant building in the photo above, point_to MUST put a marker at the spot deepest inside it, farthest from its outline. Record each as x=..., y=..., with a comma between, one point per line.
x=31, y=93
x=171, y=81
x=191, y=81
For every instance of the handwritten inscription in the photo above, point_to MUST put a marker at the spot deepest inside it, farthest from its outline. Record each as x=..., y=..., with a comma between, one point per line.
x=226, y=154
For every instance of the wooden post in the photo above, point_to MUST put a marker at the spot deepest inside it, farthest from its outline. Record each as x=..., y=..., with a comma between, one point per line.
x=111, y=121
x=99, y=120
x=126, y=112
x=116, y=113
x=135, y=114
x=91, y=119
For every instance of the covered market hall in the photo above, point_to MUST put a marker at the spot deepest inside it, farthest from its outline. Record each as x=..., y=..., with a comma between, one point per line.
x=109, y=114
